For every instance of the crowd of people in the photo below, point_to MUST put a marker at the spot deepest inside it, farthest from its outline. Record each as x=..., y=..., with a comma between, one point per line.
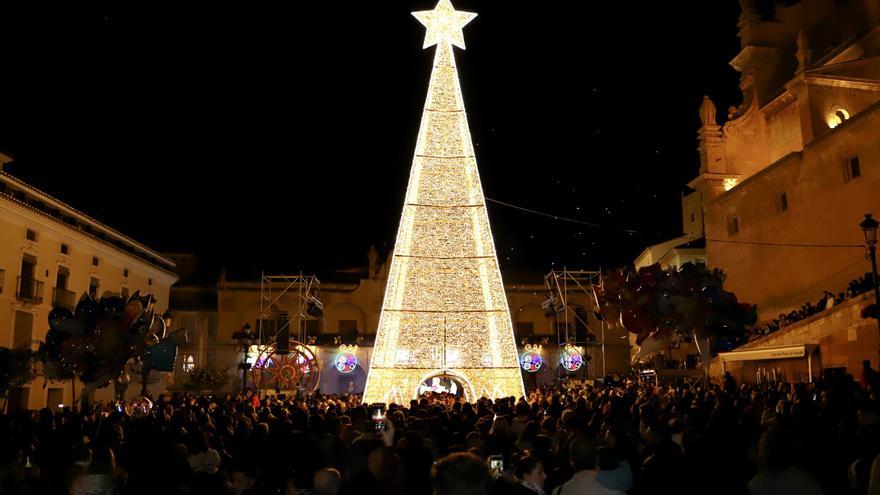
x=619, y=437
x=855, y=288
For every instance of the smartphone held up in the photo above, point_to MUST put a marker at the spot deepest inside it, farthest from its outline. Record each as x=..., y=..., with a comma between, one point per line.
x=496, y=465
x=377, y=417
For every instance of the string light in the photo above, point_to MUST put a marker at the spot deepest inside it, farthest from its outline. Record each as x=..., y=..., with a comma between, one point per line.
x=445, y=309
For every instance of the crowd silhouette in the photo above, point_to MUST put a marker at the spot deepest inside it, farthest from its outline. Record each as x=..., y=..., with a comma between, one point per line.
x=619, y=437
x=855, y=288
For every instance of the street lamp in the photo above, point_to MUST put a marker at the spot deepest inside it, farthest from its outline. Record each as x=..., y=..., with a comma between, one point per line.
x=245, y=339
x=869, y=227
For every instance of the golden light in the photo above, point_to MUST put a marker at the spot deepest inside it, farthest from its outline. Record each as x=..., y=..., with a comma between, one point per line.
x=444, y=24
x=445, y=310
x=730, y=183
x=253, y=353
x=837, y=117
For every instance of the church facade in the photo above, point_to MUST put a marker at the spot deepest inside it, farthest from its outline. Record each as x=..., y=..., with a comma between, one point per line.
x=788, y=175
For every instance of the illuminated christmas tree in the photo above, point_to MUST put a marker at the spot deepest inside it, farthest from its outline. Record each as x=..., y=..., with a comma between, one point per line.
x=445, y=312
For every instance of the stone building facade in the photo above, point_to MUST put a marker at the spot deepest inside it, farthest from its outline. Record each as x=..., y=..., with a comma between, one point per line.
x=50, y=255
x=785, y=180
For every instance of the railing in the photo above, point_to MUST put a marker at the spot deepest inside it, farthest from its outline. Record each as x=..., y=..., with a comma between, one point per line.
x=30, y=290
x=333, y=339
x=63, y=298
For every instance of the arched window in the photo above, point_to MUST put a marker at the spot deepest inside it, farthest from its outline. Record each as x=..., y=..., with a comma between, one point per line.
x=837, y=116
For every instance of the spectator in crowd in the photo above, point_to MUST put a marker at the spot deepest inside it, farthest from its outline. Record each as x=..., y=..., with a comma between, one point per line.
x=461, y=474
x=870, y=378
x=778, y=471
x=530, y=475
x=244, y=480
x=614, y=473
x=101, y=478
x=202, y=458
x=327, y=481
x=582, y=453
x=854, y=288
x=866, y=444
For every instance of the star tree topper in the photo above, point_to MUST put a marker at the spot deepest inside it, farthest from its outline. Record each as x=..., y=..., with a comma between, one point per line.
x=444, y=24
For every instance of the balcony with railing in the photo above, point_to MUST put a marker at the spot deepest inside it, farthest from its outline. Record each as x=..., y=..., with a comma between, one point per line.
x=29, y=290
x=63, y=298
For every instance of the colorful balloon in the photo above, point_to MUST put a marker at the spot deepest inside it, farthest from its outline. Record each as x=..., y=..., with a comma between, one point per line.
x=657, y=304
x=95, y=341
x=162, y=356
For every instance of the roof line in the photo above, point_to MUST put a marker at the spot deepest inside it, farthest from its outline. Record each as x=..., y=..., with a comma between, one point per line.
x=81, y=215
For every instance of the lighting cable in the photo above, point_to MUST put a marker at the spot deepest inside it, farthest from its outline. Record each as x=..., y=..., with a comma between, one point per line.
x=565, y=219
x=633, y=231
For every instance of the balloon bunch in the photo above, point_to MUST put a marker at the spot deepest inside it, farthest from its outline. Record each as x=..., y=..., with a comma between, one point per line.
x=96, y=340
x=690, y=300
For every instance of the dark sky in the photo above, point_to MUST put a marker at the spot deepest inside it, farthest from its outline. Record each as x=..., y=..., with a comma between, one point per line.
x=280, y=137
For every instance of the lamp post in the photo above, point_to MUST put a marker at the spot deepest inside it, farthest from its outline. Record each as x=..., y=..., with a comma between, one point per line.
x=245, y=339
x=869, y=227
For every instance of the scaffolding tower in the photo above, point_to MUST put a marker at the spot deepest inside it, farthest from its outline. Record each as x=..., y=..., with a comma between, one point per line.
x=571, y=297
x=287, y=301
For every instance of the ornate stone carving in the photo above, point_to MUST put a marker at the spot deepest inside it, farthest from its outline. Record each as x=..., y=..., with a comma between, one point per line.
x=707, y=113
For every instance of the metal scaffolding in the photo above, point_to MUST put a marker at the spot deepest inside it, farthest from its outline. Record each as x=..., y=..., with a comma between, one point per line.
x=565, y=287
x=287, y=300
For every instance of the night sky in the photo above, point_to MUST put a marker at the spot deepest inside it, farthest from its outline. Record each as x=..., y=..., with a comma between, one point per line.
x=280, y=137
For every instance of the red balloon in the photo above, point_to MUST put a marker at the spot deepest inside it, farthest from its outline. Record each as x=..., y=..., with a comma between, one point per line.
x=613, y=281
x=650, y=276
x=610, y=312
x=133, y=311
x=635, y=320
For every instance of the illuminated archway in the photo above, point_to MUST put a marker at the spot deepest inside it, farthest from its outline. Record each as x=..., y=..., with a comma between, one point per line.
x=467, y=387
